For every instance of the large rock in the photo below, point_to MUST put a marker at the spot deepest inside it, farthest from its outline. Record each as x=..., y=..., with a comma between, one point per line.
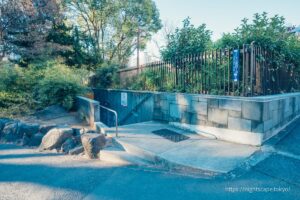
x=3, y=122
x=44, y=129
x=68, y=145
x=92, y=144
x=55, y=138
x=35, y=140
x=10, y=132
x=28, y=129
x=76, y=150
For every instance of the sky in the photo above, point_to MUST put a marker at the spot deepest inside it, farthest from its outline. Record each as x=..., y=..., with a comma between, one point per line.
x=219, y=15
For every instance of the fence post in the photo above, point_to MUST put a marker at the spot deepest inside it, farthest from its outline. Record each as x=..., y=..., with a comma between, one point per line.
x=252, y=60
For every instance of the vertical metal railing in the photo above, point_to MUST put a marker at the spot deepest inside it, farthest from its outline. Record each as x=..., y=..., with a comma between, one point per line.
x=211, y=72
x=116, y=117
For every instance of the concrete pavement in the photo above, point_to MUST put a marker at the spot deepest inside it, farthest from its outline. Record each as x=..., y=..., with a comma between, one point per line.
x=196, y=153
x=28, y=174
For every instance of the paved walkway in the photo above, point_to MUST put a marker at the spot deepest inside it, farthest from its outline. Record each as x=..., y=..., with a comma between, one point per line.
x=27, y=174
x=197, y=152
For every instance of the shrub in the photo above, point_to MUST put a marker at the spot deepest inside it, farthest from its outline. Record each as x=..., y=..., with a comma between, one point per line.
x=60, y=85
x=147, y=80
x=105, y=76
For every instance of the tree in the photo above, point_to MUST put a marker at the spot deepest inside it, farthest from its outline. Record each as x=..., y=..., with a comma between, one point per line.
x=24, y=26
x=272, y=34
x=110, y=27
x=187, y=40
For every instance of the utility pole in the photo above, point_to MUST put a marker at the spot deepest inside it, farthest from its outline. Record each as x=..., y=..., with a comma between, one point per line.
x=138, y=50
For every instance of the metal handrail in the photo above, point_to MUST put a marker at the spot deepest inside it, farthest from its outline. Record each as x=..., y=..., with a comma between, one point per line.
x=116, y=115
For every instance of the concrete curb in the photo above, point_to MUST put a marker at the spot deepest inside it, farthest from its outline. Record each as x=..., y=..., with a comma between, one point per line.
x=167, y=165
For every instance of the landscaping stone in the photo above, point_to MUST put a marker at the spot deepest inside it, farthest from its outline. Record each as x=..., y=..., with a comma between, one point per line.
x=46, y=128
x=78, y=131
x=92, y=144
x=10, y=132
x=55, y=138
x=25, y=140
x=3, y=122
x=76, y=150
x=35, y=140
x=28, y=129
x=68, y=145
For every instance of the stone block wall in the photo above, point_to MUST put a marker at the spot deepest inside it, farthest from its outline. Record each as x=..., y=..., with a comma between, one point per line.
x=258, y=118
x=247, y=120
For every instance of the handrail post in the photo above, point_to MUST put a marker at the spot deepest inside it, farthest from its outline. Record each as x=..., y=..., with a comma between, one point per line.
x=116, y=117
x=116, y=114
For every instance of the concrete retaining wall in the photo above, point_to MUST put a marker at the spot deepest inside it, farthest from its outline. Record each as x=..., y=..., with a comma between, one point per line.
x=247, y=120
x=139, y=109
x=88, y=109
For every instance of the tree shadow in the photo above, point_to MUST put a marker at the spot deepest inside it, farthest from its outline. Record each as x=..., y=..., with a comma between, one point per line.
x=31, y=155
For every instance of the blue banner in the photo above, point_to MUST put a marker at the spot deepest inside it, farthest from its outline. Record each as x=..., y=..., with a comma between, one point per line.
x=235, y=66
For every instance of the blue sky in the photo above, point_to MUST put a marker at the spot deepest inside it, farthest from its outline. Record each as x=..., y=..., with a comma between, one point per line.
x=225, y=15
x=219, y=15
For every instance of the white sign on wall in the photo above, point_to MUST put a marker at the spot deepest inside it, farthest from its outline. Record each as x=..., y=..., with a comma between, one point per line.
x=124, y=99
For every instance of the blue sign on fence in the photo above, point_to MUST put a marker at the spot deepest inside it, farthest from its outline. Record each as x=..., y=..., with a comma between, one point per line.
x=235, y=66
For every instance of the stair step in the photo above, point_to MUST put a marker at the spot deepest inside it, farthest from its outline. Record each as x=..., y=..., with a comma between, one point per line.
x=101, y=127
x=114, y=155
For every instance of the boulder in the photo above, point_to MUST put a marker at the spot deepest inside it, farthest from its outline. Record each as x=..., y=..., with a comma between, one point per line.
x=55, y=138
x=92, y=131
x=78, y=131
x=68, y=145
x=76, y=150
x=28, y=129
x=10, y=132
x=3, y=122
x=78, y=139
x=25, y=140
x=46, y=128
x=92, y=144
x=35, y=140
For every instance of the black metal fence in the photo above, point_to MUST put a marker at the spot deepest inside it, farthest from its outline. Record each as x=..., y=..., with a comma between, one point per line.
x=248, y=71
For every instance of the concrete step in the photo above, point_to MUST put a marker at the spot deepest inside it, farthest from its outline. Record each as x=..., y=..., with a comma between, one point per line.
x=121, y=157
x=164, y=164
x=101, y=127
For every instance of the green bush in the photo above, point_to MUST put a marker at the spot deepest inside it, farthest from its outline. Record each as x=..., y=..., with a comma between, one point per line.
x=105, y=76
x=15, y=91
x=147, y=80
x=23, y=90
x=60, y=85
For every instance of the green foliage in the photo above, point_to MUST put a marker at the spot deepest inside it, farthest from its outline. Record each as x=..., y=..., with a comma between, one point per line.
x=60, y=85
x=148, y=81
x=107, y=30
x=273, y=35
x=39, y=85
x=24, y=25
x=151, y=81
x=187, y=41
x=105, y=76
